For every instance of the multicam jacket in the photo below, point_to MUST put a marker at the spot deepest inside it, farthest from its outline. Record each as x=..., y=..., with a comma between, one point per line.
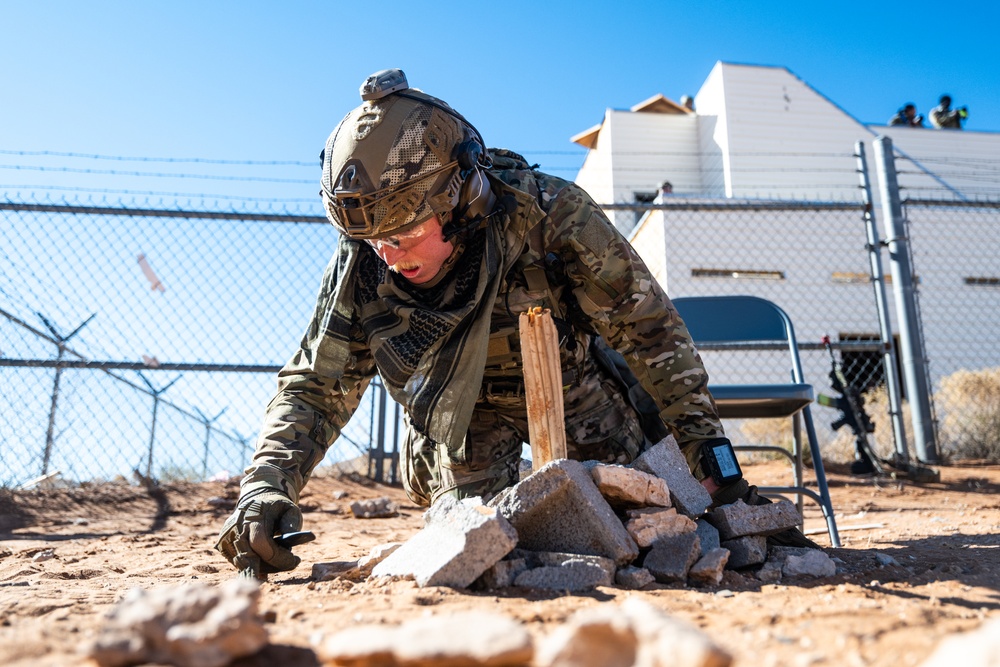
x=562, y=253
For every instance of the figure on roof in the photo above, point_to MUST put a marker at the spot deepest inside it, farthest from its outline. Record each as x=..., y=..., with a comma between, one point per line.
x=944, y=117
x=687, y=102
x=907, y=116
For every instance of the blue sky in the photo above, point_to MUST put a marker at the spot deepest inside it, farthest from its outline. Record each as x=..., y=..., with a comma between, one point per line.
x=267, y=81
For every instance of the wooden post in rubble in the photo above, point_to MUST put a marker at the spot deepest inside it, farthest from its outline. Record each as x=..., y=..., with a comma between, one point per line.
x=543, y=387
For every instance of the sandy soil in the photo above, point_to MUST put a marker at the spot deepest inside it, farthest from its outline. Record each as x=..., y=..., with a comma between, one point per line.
x=107, y=540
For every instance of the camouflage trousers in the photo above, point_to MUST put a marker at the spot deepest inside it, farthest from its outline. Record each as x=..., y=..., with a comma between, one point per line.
x=600, y=426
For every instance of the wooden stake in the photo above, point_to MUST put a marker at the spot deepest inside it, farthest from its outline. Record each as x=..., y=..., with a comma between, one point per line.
x=543, y=387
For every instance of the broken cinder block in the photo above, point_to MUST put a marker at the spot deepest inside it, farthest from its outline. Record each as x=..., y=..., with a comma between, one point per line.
x=739, y=519
x=665, y=460
x=628, y=487
x=648, y=525
x=559, y=508
x=460, y=541
x=671, y=557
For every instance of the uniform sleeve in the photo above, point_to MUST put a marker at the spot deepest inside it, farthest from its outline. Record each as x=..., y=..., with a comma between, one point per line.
x=624, y=304
x=309, y=409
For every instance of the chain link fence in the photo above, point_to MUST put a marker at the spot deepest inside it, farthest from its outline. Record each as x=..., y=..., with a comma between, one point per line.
x=955, y=248
x=147, y=341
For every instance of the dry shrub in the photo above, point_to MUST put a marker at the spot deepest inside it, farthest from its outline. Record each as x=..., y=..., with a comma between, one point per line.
x=775, y=432
x=969, y=402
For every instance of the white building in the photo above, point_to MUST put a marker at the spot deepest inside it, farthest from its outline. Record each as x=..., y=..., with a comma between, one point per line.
x=761, y=133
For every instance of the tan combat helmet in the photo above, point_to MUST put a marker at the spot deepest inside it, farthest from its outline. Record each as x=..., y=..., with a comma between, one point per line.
x=398, y=159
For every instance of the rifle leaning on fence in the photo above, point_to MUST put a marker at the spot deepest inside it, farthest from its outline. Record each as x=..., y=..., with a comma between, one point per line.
x=851, y=404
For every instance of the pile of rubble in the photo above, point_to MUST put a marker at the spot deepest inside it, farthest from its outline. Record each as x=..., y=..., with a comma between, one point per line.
x=572, y=526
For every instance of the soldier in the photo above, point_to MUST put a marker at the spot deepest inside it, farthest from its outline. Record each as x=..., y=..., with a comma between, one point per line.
x=944, y=117
x=442, y=245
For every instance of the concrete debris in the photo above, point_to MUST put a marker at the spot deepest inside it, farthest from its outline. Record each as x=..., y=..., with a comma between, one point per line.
x=769, y=572
x=449, y=640
x=461, y=539
x=47, y=554
x=632, y=634
x=665, y=460
x=376, y=508
x=671, y=557
x=571, y=576
x=549, y=570
x=739, y=519
x=709, y=568
x=813, y=563
x=979, y=648
x=502, y=574
x=354, y=570
x=633, y=577
x=559, y=508
x=746, y=551
x=191, y=625
x=340, y=494
x=648, y=525
x=708, y=535
x=628, y=487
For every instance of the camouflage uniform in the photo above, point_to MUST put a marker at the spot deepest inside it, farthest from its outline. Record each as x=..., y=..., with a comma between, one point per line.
x=574, y=262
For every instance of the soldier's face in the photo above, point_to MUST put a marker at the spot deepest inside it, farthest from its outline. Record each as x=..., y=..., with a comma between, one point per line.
x=417, y=255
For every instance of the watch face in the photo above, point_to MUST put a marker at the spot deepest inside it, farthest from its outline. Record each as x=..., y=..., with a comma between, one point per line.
x=726, y=461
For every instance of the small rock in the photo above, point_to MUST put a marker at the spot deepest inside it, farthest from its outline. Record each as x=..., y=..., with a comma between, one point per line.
x=628, y=487
x=814, y=563
x=709, y=568
x=340, y=494
x=376, y=508
x=885, y=559
x=48, y=554
x=633, y=577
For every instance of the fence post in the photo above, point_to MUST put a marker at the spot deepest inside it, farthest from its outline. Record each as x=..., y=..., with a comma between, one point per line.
x=61, y=344
x=874, y=248
x=156, y=406
x=904, y=290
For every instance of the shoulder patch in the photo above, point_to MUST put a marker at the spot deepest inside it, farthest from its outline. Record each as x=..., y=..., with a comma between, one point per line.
x=596, y=235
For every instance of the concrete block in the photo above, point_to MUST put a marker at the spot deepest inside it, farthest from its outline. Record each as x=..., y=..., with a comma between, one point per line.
x=628, y=487
x=671, y=557
x=709, y=536
x=709, y=568
x=460, y=541
x=572, y=575
x=739, y=519
x=560, y=509
x=665, y=460
x=648, y=525
x=746, y=551
x=633, y=577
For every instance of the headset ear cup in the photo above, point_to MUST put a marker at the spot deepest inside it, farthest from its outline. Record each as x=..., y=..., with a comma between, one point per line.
x=467, y=154
x=474, y=198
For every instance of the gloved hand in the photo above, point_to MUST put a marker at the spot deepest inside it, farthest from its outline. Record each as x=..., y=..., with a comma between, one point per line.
x=247, y=537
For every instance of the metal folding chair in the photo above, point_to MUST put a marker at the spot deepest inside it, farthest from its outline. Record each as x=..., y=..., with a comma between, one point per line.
x=753, y=323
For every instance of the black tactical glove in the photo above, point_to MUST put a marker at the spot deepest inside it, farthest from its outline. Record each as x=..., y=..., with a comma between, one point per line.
x=247, y=537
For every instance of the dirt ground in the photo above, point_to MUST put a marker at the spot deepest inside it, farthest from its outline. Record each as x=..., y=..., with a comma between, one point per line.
x=107, y=540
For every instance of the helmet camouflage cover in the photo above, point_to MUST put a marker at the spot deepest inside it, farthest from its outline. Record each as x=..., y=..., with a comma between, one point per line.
x=389, y=165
